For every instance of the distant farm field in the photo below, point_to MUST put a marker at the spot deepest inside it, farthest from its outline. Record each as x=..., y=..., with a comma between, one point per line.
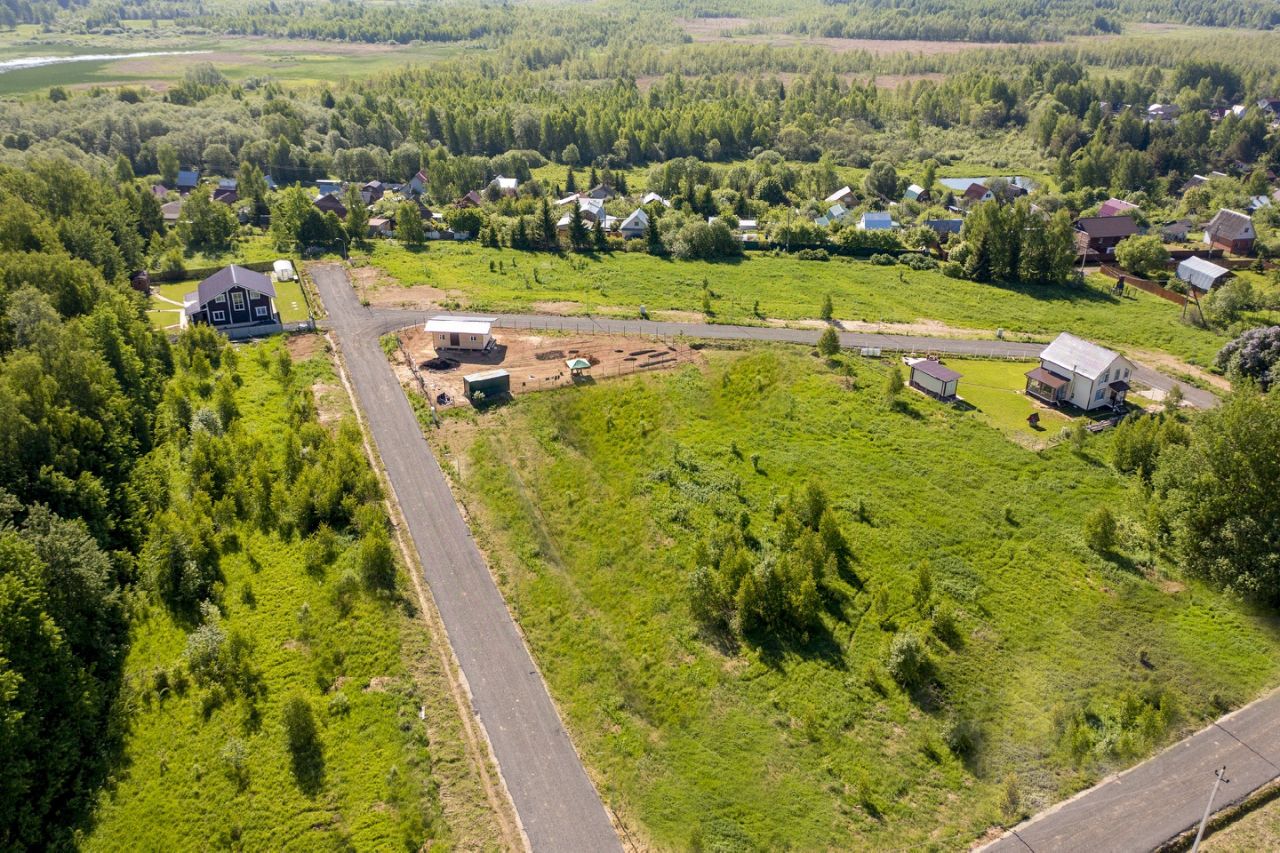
x=784, y=288
x=592, y=503
x=239, y=58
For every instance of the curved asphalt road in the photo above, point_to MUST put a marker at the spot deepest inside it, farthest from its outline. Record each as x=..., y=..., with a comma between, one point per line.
x=557, y=805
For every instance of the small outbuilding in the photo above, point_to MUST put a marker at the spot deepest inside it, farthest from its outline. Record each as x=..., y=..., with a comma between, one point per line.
x=934, y=378
x=1201, y=274
x=469, y=333
x=284, y=270
x=577, y=366
x=490, y=383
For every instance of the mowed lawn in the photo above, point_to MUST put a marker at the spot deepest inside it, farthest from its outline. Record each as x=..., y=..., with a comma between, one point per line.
x=290, y=302
x=995, y=388
x=590, y=502
x=789, y=289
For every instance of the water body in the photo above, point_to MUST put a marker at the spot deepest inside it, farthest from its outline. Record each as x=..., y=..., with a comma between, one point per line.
x=24, y=62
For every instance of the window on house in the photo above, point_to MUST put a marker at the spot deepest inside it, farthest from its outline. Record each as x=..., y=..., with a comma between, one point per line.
x=237, y=301
x=1101, y=391
x=1103, y=378
x=473, y=338
x=261, y=310
x=1126, y=373
x=220, y=298
x=219, y=316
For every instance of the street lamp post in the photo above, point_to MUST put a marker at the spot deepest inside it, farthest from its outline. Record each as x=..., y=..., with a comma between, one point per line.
x=1220, y=776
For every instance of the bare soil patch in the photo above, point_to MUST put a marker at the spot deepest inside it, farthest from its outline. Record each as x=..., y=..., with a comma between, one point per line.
x=715, y=29
x=537, y=362
x=418, y=296
x=302, y=347
x=564, y=306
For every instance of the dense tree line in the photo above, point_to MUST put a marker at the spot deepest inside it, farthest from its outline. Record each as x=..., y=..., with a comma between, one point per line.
x=81, y=372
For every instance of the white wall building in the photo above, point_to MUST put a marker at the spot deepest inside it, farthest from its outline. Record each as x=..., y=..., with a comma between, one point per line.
x=471, y=333
x=1073, y=370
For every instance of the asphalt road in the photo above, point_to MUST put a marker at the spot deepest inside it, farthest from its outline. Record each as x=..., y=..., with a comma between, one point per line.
x=558, y=807
x=390, y=319
x=1159, y=799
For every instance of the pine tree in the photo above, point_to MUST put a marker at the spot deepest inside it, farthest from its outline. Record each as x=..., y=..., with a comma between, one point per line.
x=570, y=183
x=654, y=238
x=829, y=343
x=622, y=183
x=547, y=226
x=594, y=179
x=601, y=243
x=578, y=235
x=828, y=310
x=520, y=238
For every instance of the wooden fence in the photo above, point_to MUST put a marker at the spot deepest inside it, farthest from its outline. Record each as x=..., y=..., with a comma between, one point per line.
x=1152, y=287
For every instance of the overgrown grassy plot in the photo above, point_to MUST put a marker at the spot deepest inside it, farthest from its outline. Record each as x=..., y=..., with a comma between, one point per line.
x=593, y=502
x=289, y=715
x=787, y=288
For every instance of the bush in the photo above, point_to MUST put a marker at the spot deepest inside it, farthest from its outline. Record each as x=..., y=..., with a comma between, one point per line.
x=951, y=269
x=908, y=661
x=919, y=262
x=376, y=560
x=883, y=260
x=303, y=742
x=812, y=255
x=829, y=342
x=961, y=736
x=1100, y=530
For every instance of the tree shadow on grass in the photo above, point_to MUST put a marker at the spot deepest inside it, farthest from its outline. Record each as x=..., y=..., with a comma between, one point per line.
x=818, y=644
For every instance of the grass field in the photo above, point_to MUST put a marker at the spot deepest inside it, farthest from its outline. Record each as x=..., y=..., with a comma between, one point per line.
x=297, y=61
x=789, y=289
x=395, y=774
x=995, y=389
x=590, y=502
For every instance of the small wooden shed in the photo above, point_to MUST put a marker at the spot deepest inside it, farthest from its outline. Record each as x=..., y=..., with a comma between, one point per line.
x=491, y=383
x=934, y=379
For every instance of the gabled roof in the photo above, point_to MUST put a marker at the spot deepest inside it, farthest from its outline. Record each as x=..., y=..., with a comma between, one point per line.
x=1084, y=358
x=228, y=184
x=976, y=192
x=652, y=197
x=877, y=219
x=1230, y=225
x=1115, y=207
x=233, y=276
x=840, y=194
x=188, y=178
x=935, y=369
x=504, y=183
x=1107, y=226
x=471, y=198
x=915, y=191
x=638, y=219
x=1201, y=274
x=945, y=226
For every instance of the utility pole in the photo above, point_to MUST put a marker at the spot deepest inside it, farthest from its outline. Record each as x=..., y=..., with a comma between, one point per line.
x=1220, y=776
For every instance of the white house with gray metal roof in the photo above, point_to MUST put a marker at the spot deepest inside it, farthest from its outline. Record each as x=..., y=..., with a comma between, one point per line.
x=1081, y=373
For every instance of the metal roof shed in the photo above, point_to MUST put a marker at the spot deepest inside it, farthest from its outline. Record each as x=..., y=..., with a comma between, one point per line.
x=1201, y=274
x=491, y=383
x=934, y=379
x=460, y=332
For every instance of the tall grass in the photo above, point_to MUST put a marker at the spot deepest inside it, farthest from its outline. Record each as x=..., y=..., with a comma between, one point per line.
x=591, y=502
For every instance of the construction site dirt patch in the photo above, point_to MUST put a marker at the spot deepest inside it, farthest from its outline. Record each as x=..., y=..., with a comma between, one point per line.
x=538, y=362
